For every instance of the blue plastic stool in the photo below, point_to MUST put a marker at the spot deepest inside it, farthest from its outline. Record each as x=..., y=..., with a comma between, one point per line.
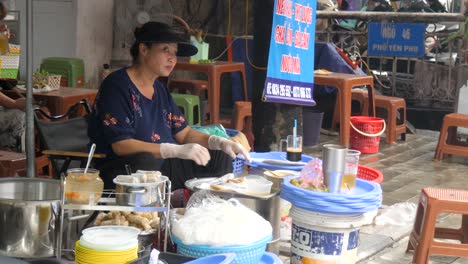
x=190, y=106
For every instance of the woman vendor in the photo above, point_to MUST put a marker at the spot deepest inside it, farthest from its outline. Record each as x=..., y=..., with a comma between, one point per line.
x=135, y=121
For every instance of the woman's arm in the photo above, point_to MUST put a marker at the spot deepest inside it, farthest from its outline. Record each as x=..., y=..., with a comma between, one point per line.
x=192, y=151
x=133, y=146
x=10, y=103
x=189, y=135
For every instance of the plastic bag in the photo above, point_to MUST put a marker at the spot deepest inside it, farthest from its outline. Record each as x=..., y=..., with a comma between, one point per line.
x=210, y=220
x=311, y=176
x=202, y=198
x=400, y=214
x=216, y=130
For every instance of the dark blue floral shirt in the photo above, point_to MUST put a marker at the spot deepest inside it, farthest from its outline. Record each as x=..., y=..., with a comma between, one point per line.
x=122, y=112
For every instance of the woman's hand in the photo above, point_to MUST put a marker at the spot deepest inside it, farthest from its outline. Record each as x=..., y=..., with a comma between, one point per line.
x=229, y=147
x=191, y=151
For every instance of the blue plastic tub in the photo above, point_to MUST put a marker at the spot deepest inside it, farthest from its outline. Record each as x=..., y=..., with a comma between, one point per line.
x=248, y=254
x=225, y=258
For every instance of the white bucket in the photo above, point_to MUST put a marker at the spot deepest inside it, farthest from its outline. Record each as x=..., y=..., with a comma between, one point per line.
x=324, y=238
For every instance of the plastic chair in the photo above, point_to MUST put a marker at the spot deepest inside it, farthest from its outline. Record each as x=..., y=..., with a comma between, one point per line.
x=64, y=137
x=190, y=106
x=448, y=143
x=396, y=123
x=432, y=202
x=71, y=70
x=195, y=87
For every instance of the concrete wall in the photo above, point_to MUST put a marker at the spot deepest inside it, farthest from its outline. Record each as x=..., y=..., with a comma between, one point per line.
x=94, y=37
x=69, y=28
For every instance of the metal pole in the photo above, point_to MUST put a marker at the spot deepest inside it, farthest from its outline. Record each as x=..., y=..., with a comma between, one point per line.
x=393, y=16
x=30, y=151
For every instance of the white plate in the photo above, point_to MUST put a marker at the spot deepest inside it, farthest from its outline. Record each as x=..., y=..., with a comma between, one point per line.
x=110, y=237
x=117, y=245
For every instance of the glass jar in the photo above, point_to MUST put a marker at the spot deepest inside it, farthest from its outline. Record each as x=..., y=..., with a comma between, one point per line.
x=83, y=188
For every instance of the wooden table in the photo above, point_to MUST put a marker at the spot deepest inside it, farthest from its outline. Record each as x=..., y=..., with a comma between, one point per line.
x=61, y=100
x=214, y=71
x=344, y=83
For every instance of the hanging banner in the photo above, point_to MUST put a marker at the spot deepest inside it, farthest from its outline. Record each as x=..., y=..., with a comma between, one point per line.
x=290, y=73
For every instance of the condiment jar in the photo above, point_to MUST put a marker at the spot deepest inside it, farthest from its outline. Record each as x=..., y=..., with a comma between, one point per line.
x=83, y=188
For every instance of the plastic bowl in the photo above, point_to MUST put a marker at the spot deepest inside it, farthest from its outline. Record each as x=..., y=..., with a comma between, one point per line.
x=258, y=185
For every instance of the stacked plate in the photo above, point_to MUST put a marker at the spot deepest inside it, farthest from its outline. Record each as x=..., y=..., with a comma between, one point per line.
x=364, y=197
x=107, y=244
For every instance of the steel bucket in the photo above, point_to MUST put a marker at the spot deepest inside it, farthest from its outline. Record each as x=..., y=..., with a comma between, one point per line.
x=29, y=217
x=268, y=206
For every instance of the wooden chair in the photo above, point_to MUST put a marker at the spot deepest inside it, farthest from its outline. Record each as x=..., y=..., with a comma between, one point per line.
x=64, y=137
x=432, y=202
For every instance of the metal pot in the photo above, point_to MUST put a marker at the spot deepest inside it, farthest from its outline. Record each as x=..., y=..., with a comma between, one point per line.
x=29, y=217
x=141, y=194
x=268, y=206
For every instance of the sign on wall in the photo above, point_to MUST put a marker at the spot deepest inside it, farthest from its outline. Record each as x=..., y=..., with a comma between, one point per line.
x=396, y=39
x=290, y=73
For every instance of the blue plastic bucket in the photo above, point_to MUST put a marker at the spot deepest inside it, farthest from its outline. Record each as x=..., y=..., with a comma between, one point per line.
x=324, y=238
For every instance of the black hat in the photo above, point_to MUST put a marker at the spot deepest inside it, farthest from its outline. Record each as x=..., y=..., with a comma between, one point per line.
x=157, y=32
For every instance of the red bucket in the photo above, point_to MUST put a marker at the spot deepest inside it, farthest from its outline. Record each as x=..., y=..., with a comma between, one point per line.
x=365, y=133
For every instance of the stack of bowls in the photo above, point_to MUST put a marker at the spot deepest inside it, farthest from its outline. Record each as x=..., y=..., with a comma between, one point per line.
x=365, y=197
x=107, y=244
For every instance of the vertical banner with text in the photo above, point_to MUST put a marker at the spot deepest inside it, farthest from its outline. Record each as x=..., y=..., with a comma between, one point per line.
x=290, y=73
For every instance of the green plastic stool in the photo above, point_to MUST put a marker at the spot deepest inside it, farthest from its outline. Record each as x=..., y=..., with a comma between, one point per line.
x=190, y=107
x=71, y=69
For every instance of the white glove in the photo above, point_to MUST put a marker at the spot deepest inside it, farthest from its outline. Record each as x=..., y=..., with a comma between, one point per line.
x=229, y=147
x=191, y=151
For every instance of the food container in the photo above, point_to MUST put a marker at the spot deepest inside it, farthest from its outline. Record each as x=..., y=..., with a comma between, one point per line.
x=83, y=188
x=258, y=185
x=29, y=217
x=140, y=194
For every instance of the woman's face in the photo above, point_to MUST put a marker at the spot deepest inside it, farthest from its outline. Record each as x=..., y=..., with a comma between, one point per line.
x=160, y=58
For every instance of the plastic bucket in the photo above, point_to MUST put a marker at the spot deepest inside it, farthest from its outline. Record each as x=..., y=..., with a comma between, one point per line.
x=365, y=133
x=312, y=122
x=324, y=238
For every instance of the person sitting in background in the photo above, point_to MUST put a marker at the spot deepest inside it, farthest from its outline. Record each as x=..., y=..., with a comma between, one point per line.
x=12, y=117
x=135, y=121
x=12, y=122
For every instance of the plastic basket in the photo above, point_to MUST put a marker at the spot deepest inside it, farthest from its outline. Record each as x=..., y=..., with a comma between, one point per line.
x=365, y=133
x=369, y=174
x=248, y=254
x=9, y=65
x=237, y=164
x=53, y=80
